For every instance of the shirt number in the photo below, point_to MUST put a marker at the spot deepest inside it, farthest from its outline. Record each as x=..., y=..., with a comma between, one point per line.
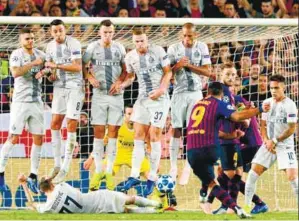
x=197, y=115
x=67, y=202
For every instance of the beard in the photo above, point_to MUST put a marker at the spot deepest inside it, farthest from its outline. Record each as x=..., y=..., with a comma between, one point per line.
x=254, y=77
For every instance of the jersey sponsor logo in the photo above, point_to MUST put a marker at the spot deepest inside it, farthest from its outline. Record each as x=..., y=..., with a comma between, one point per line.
x=107, y=63
x=150, y=70
x=206, y=56
x=76, y=52
x=63, y=60
x=278, y=120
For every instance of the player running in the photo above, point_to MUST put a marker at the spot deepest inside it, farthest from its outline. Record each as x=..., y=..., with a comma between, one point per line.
x=203, y=148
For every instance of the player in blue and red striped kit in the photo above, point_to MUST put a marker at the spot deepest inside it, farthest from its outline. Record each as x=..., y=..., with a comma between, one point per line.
x=229, y=134
x=203, y=141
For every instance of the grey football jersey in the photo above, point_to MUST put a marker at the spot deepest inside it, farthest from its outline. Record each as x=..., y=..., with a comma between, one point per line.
x=278, y=117
x=26, y=87
x=65, y=53
x=185, y=79
x=148, y=68
x=106, y=63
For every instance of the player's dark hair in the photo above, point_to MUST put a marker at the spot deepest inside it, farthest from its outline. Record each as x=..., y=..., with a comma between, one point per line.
x=106, y=23
x=25, y=31
x=231, y=2
x=130, y=105
x=56, y=22
x=45, y=184
x=215, y=88
x=278, y=78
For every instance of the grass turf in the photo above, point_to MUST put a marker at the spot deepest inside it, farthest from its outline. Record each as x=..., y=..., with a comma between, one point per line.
x=30, y=215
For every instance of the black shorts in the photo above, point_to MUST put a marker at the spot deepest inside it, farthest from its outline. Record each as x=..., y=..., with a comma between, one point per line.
x=202, y=162
x=230, y=156
x=247, y=154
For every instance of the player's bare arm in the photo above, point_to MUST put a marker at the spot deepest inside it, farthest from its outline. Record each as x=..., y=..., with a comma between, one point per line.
x=20, y=71
x=239, y=116
x=116, y=87
x=227, y=136
x=155, y=94
x=288, y=132
x=203, y=70
x=75, y=67
x=22, y=180
x=89, y=75
x=129, y=79
x=264, y=130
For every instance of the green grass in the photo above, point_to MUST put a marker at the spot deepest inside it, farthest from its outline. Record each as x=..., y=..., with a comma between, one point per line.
x=30, y=215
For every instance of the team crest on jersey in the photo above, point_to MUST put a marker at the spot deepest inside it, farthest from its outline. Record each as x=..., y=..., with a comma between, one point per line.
x=151, y=59
x=230, y=107
x=116, y=54
x=196, y=54
x=225, y=99
x=66, y=52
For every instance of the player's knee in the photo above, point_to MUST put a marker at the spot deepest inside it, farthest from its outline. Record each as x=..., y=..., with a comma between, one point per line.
x=56, y=125
x=230, y=173
x=113, y=131
x=155, y=135
x=292, y=174
x=38, y=140
x=72, y=125
x=139, y=135
x=14, y=139
x=258, y=169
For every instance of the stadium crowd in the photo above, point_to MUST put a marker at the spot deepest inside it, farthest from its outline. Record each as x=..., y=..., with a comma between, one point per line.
x=152, y=8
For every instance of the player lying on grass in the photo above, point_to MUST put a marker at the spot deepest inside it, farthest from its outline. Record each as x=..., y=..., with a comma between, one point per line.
x=63, y=198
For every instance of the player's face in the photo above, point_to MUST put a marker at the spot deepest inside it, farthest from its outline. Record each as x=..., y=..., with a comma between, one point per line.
x=277, y=89
x=141, y=43
x=128, y=113
x=27, y=40
x=58, y=33
x=188, y=37
x=106, y=33
x=229, y=75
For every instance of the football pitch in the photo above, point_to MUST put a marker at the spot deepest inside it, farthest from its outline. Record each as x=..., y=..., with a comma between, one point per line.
x=182, y=215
